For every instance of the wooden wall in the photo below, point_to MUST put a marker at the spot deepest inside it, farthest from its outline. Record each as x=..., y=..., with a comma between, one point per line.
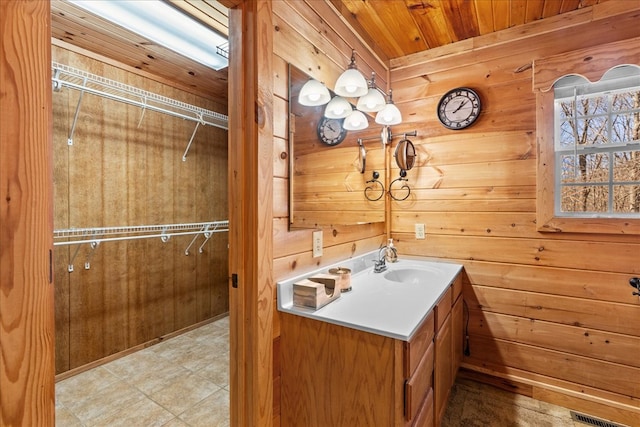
x=311, y=37
x=119, y=173
x=552, y=315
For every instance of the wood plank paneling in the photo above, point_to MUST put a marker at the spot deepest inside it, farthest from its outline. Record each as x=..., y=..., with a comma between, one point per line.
x=572, y=368
x=580, y=340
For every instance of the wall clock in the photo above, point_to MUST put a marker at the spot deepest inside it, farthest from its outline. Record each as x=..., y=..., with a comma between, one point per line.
x=459, y=108
x=330, y=131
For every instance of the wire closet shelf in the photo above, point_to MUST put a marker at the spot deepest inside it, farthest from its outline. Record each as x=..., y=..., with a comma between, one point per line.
x=164, y=232
x=85, y=82
x=96, y=235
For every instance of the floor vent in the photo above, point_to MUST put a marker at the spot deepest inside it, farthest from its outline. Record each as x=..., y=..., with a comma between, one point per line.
x=593, y=421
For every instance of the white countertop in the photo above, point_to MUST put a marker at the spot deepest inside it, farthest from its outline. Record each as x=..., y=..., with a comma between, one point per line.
x=377, y=304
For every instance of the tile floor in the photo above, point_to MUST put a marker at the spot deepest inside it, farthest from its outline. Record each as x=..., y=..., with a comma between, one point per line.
x=183, y=381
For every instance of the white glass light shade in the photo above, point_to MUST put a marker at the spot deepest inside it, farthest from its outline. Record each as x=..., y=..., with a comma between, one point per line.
x=390, y=115
x=337, y=108
x=351, y=84
x=356, y=121
x=372, y=102
x=314, y=93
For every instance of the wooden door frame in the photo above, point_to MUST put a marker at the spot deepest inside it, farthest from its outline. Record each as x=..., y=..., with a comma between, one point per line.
x=27, y=395
x=27, y=365
x=251, y=214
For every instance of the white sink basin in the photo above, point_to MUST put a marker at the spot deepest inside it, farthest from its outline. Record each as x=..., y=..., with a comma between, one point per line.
x=407, y=275
x=413, y=274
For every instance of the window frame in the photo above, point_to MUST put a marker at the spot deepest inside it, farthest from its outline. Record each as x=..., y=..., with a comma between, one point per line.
x=592, y=64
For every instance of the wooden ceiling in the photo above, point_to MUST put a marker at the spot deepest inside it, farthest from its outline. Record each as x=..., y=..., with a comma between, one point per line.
x=392, y=28
x=396, y=28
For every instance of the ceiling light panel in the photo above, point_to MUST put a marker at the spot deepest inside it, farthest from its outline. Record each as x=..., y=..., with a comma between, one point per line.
x=164, y=25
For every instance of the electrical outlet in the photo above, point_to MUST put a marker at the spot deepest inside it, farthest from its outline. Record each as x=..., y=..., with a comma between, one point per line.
x=317, y=243
x=420, y=231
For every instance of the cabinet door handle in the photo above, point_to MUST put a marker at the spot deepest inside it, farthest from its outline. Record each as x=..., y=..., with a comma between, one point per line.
x=407, y=400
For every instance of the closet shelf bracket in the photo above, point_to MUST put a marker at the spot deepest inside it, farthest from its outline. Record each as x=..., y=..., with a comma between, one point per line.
x=206, y=233
x=184, y=156
x=144, y=109
x=70, y=265
x=94, y=245
x=75, y=116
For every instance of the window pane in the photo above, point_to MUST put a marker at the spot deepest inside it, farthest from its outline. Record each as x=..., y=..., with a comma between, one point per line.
x=626, y=166
x=566, y=109
x=567, y=135
x=626, y=198
x=592, y=131
x=585, y=168
x=568, y=169
x=625, y=100
x=585, y=199
x=622, y=127
x=592, y=105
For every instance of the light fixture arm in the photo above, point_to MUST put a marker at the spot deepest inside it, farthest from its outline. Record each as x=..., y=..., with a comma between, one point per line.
x=353, y=59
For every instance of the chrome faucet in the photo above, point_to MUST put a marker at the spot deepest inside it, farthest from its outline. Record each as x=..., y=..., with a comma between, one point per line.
x=380, y=264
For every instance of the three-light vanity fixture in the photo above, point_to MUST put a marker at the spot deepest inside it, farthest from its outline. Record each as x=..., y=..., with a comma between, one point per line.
x=352, y=84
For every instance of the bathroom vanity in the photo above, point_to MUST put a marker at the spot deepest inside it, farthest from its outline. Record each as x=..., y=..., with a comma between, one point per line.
x=384, y=354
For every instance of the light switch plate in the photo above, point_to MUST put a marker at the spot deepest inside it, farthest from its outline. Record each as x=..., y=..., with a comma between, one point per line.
x=420, y=231
x=317, y=244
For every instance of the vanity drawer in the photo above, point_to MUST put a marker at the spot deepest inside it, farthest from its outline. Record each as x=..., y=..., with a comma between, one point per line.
x=457, y=289
x=443, y=308
x=424, y=418
x=417, y=387
x=415, y=349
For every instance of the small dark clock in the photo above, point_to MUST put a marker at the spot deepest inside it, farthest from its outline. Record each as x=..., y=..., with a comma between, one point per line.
x=459, y=108
x=330, y=131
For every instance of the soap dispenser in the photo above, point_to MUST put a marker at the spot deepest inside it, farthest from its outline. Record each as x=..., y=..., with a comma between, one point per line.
x=391, y=254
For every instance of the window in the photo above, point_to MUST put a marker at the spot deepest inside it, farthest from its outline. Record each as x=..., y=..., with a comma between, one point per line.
x=597, y=145
x=588, y=142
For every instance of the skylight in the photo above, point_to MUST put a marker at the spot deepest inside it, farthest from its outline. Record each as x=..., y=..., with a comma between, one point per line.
x=165, y=25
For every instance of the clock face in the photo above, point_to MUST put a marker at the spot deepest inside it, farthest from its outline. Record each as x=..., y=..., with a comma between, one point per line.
x=330, y=131
x=459, y=108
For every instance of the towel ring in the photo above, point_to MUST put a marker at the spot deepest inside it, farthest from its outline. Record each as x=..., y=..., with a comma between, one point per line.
x=370, y=188
x=401, y=179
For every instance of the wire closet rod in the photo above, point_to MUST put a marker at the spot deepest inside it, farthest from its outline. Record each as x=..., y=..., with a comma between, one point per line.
x=66, y=76
x=164, y=232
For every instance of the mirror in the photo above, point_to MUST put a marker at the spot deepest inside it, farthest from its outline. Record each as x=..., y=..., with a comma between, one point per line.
x=405, y=154
x=329, y=167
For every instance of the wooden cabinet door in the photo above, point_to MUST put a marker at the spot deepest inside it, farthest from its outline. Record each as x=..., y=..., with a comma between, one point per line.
x=457, y=337
x=442, y=373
